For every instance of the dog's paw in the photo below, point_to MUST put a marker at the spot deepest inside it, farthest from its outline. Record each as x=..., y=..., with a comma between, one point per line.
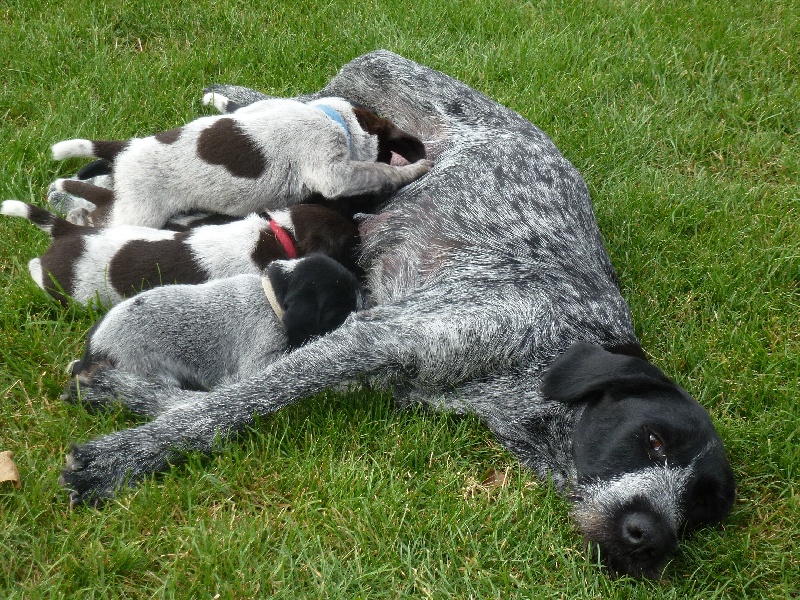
x=63, y=203
x=89, y=387
x=97, y=470
x=80, y=216
x=232, y=97
x=216, y=100
x=418, y=169
x=87, y=484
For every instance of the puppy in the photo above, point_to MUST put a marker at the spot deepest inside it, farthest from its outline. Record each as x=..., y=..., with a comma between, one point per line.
x=271, y=154
x=109, y=264
x=201, y=336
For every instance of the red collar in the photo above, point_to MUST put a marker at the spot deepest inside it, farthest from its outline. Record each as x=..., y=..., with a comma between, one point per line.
x=284, y=238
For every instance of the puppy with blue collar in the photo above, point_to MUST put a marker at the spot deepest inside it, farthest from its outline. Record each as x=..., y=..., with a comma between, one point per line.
x=201, y=336
x=271, y=154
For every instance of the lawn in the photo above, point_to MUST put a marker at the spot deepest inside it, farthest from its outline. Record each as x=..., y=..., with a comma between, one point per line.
x=684, y=118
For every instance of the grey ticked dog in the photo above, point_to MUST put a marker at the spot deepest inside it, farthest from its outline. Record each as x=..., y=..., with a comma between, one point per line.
x=493, y=295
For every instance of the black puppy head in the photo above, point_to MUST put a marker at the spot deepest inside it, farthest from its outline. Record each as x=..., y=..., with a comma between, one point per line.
x=316, y=294
x=390, y=137
x=640, y=428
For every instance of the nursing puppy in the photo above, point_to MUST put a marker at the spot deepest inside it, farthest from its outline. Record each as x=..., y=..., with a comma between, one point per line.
x=201, y=336
x=271, y=154
x=85, y=263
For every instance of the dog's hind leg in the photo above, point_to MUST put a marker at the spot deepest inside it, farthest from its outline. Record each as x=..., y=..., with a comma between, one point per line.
x=97, y=195
x=100, y=198
x=96, y=469
x=230, y=98
x=102, y=386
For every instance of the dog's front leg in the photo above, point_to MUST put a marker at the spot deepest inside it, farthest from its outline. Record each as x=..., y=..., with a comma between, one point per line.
x=392, y=342
x=200, y=420
x=354, y=178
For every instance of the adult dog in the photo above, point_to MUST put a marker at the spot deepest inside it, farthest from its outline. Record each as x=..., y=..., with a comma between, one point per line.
x=270, y=154
x=495, y=296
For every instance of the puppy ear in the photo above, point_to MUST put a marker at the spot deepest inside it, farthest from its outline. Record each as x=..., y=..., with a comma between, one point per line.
x=586, y=369
x=94, y=169
x=390, y=137
x=406, y=145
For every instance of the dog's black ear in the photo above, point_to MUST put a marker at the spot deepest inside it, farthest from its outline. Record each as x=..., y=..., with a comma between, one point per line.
x=406, y=145
x=586, y=369
x=315, y=293
x=94, y=169
x=390, y=137
x=279, y=273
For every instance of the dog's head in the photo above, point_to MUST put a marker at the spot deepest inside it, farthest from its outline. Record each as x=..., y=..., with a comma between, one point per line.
x=315, y=295
x=321, y=229
x=649, y=463
x=390, y=137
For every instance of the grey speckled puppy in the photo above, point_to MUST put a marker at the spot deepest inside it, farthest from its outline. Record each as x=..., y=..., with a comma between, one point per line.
x=493, y=295
x=201, y=336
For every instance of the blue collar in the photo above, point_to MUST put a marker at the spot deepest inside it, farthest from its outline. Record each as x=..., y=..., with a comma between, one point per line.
x=334, y=115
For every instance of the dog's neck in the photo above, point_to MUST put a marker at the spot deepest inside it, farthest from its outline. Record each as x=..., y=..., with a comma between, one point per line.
x=338, y=119
x=284, y=238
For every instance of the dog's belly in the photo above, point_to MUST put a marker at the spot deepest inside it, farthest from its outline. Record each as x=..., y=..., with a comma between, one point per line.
x=528, y=211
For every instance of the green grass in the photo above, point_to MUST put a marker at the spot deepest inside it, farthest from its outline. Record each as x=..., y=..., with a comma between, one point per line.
x=683, y=118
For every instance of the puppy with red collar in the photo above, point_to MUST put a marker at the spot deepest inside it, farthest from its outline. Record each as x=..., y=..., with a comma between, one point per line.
x=84, y=263
x=271, y=154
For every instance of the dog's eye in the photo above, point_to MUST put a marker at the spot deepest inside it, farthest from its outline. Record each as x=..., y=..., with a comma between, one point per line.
x=656, y=444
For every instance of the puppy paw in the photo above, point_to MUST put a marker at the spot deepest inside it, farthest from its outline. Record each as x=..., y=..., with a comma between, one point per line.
x=89, y=386
x=216, y=100
x=63, y=203
x=418, y=169
x=232, y=97
x=80, y=216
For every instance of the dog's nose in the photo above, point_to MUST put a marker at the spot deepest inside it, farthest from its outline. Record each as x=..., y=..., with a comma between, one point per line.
x=645, y=533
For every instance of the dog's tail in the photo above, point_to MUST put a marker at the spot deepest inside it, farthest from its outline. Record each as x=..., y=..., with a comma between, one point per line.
x=44, y=220
x=107, y=149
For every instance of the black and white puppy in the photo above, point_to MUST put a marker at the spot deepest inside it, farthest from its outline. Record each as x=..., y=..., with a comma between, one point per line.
x=108, y=264
x=200, y=336
x=271, y=154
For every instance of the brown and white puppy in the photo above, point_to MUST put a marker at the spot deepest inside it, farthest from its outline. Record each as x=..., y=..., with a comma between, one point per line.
x=114, y=262
x=271, y=154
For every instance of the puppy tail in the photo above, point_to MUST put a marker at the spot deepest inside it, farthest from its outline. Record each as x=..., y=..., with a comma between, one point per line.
x=38, y=216
x=87, y=148
x=37, y=272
